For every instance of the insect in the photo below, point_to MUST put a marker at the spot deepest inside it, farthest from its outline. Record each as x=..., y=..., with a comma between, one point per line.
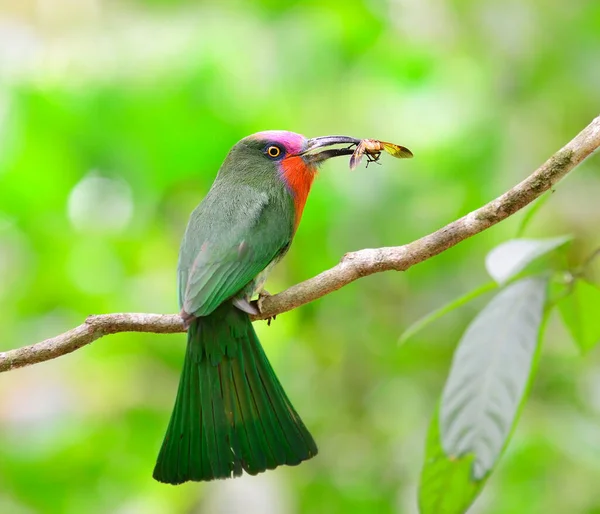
x=373, y=148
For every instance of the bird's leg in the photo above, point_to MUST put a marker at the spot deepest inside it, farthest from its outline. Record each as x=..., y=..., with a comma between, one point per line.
x=262, y=294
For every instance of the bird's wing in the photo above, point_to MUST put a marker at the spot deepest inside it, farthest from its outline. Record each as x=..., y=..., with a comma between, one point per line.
x=225, y=249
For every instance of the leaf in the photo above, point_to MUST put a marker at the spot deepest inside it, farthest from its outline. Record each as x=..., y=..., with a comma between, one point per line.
x=508, y=259
x=580, y=313
x=450, y=481
x=489, y=374
x=445, y=486
x=426, y=320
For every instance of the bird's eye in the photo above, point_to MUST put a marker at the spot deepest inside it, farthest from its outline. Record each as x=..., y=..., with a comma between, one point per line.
x=273, y=152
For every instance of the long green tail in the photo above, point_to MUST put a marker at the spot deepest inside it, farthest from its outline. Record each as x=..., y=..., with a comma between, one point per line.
x=231, y=413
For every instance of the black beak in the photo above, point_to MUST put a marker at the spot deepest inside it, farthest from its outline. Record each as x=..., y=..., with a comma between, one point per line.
x=324, y=141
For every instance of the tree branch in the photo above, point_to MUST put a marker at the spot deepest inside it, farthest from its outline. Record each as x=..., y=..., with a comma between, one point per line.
x=353, y=266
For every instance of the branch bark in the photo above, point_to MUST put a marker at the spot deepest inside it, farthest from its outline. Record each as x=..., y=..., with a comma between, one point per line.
x=353, y=265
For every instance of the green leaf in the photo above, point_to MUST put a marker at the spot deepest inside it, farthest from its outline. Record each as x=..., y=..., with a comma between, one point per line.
x=446, y=486
x=580, y=312
x=510, y=258
x=489, y=374
x=452, y=477
x=426, y=320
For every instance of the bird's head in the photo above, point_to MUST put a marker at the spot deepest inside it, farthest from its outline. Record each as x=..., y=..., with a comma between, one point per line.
x=280, y=145
x=285, y=156
x=294, y=157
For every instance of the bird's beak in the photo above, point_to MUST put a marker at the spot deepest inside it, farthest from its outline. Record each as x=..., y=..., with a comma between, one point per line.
x=312, y=157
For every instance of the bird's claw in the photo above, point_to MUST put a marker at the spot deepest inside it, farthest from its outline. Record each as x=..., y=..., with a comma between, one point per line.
x=259, y=302
x=262, y=294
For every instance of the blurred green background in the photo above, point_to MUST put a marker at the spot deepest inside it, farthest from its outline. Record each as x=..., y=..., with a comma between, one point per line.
x=114, y=118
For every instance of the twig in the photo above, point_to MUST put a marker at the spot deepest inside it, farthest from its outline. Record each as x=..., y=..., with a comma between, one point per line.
x=94, y=328
x=353, y=266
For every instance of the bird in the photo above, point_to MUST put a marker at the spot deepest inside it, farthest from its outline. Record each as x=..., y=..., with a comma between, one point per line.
x=231, y=413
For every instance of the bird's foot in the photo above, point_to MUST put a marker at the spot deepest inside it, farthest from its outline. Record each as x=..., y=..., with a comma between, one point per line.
x=259, y=302
x=262, y=294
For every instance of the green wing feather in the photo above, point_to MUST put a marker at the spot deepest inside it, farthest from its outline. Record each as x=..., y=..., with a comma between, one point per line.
x=224, y=249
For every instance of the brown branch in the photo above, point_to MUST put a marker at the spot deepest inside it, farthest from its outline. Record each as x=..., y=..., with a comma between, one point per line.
x=353, y=265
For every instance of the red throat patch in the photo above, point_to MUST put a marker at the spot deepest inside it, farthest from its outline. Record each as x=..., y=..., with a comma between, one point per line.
x=298, y=177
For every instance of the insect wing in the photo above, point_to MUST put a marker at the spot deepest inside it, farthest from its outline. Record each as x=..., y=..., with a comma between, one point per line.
x=357, y=156
x=400, y=152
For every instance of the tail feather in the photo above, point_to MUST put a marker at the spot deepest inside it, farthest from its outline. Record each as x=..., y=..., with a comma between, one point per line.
x=231, y=413
x=282, y=422
x=197, y=447
x=254, y=458
x=269, y=426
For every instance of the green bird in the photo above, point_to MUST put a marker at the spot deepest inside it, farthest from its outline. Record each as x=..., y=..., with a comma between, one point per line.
x=231, y=413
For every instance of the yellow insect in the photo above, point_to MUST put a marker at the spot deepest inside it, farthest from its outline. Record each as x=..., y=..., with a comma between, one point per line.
x=373, y=148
